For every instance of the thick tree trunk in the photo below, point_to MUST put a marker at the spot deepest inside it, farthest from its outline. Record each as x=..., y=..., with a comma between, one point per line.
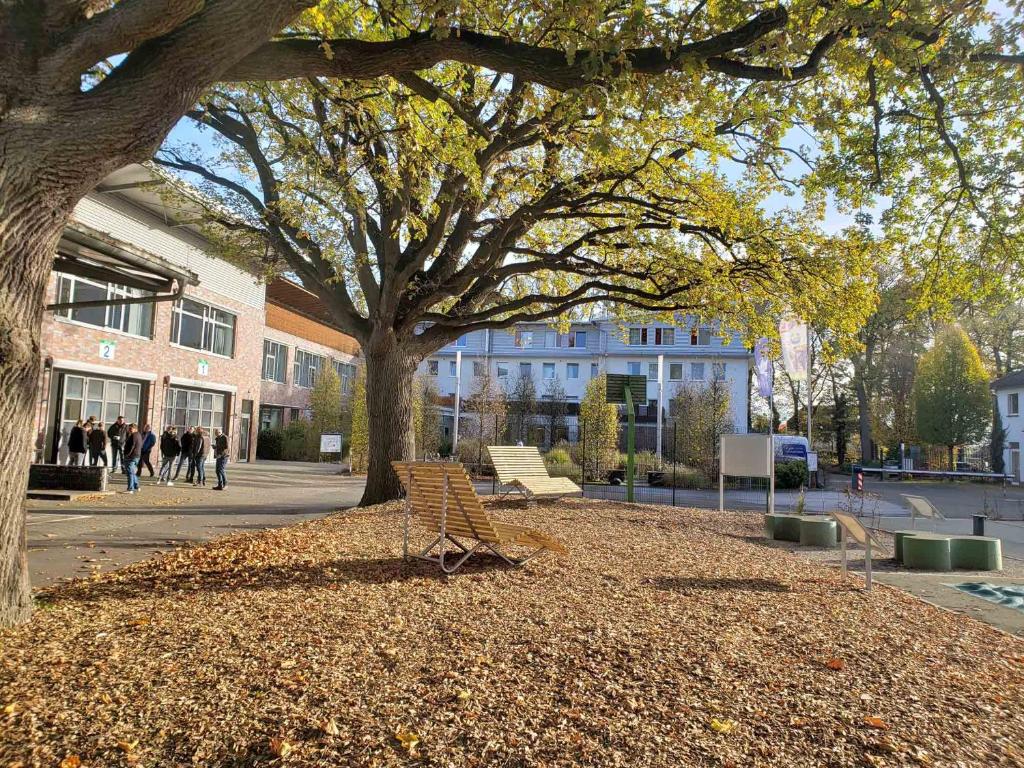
x=389, y=374
x=30, y=225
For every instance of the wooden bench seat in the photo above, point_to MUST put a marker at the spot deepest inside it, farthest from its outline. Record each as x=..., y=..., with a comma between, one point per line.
x=521, y=468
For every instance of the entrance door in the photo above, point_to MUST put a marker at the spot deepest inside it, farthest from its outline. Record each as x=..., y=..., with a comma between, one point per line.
x=85, y=396
x=244, y=429
x=1015, y=461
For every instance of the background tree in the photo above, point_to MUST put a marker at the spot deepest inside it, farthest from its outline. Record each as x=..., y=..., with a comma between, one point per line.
x=489, y=404
x=522, y=406
x=326, y=403
x=359, y=440
x=86, y=88
x=998, y=444
x=951, y=393
x=599, y=425
x=701, y=415
x=553, y=407
x=426, y=417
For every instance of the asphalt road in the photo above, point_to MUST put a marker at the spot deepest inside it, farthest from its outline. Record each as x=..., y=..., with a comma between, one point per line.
x=74, y=539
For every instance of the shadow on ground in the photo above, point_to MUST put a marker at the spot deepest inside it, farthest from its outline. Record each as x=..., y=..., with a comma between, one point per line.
x=687, y=584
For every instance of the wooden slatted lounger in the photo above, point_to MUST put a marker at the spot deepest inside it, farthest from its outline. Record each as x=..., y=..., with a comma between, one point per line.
x=521, y=468
x=441, y=497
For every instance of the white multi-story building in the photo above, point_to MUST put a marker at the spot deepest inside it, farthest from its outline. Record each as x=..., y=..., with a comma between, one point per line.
x=669, y=356
x=1009, y=391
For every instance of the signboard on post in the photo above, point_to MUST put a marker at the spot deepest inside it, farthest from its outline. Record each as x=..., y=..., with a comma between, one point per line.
x=746, y=456
x=330, y=442
x=626, y=389
x=850, y=526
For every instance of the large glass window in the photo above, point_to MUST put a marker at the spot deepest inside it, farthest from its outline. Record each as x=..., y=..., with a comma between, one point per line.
x=665, y=336
x=675, y=372
x=572, y=370
x=103, y=399
x=502, y=370
x=697, y=371
x=275, y=361
x=1013, y=404
x=524, y=339
x=184, y=408
x=637, y=337
x=136, y=319
x=633, y=368
x=548, y=370
x=306, y=368
x=200, y=326
x=346, y=373
x=578, y=339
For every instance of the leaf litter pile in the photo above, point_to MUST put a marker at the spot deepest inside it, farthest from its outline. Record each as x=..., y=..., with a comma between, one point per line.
x=668, y=637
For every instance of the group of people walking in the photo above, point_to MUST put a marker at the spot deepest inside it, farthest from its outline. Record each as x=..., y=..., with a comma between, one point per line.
x=131, y=450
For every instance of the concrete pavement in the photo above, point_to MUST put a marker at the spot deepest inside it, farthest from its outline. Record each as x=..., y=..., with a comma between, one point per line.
x=68, y=539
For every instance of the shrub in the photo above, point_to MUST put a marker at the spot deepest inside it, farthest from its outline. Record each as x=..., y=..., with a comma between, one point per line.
x=300, y=442
x=790, y=474
x=685, y=477
x=268, y=444
x=557, y=456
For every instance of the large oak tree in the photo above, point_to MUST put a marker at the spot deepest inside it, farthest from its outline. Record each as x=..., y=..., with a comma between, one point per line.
x=87, y=86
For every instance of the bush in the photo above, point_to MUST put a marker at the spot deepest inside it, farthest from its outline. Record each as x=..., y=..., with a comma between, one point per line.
x=557, y=456
x=790, y=474
x=685, y=477
x=300, y=442
x=269, y=443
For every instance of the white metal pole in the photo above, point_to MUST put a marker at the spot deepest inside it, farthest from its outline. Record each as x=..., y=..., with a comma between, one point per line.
x=661, y=402
x=721, y=477
x=867, y=565
x=458, y=399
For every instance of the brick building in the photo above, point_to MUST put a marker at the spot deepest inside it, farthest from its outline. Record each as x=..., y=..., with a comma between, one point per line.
x=191, y=356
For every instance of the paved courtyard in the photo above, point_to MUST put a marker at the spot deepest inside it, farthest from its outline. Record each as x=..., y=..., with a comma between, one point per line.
x=68, y=539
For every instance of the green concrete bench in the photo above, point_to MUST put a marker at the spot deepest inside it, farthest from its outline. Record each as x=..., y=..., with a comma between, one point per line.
x=785, y=527
x=976, y=553
x=817, y=531
x=897, y=543
x=927, y=552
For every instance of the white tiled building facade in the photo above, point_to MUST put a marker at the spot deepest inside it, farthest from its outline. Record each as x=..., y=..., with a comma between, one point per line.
x=669, y=356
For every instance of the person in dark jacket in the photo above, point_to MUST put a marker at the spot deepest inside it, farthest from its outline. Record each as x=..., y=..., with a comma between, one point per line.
x=148, y=441
x=76, y=445
x=169, y=448
x=200, y=447
x=132, y=452
x=118, y=434
x=97, y=445
x=220, y=455
x=185, y=454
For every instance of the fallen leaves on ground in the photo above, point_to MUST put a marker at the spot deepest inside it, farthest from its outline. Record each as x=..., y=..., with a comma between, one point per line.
x=669, y=637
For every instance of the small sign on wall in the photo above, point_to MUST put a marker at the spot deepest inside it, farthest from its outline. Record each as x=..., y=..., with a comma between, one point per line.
x=108, y=349
x=203, y=368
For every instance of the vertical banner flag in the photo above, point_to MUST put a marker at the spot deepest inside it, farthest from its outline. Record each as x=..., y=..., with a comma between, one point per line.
x=763, y=368
x=793, y=334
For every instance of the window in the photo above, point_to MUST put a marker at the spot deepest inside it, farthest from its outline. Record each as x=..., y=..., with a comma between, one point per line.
x=578, y=339
x=593, y=370
x=693, y=337
x=633, y=368
x=525, y=369
x=200, y=326
x=271, y=417
x=718, y=371
x=704, y=338
x=549, y=371
x=665, y=336
x=432, y=367
x=346, y=373
x=572, y=370
x=306, y=368
x=1013, y=404
x=637, y=337
x=502, y=370
x=275, y=361
x=524, y=339
x=135, y=319
x=551, y=339
x=478, y=369
x=675, y=371
x=452, y=370
x=461, y=341
x=652, y=371
x=184, y=408
x=697, y=371
x=293, y=414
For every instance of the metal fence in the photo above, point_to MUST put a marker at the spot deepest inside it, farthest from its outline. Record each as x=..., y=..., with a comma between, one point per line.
x=684, y=473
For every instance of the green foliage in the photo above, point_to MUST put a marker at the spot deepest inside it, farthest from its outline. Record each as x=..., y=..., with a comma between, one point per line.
x=487, y=409
x=300, y=441
x=521, y=407
x=326, y=403
x=359, y=441
x=998, y=439
x=700, y=414
x=269, y=443
x=790, y=474
x=426, y=416
x=599, y=419
x=682, y=476
x=557, y=456
x=951, y=394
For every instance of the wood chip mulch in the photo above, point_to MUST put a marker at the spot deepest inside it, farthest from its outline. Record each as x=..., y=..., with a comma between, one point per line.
x=669, y=637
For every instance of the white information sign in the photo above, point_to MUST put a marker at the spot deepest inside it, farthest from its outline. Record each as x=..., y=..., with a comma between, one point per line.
x=746, y=456
x=108, y=349
x=812, y=461
x=203, y=369
x=330, y=443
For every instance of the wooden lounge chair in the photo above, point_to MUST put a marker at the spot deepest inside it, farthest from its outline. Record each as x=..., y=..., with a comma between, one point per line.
x=441, y=497
x=921, y=507
x=521, y=468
